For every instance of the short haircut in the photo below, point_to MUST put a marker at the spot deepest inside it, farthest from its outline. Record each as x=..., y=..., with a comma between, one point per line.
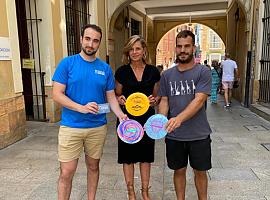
x=92, y=26
x=227, y=55
x=185, y=34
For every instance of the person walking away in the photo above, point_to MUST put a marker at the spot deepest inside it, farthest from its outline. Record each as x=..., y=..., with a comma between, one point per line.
x=229, y=70
x=206, y=64
x=80, y=83
x=137, y=75
x=215, y=82
x=183, y=90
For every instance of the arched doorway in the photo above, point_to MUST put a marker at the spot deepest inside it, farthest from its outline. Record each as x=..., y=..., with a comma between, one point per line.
x=237, y=46
x=231, y=27
x=153, y=29
x=209, y=45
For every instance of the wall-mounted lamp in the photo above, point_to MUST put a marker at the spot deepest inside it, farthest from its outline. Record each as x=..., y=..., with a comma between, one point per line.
x=189, y=24
x=127, y=22
x=237, y=15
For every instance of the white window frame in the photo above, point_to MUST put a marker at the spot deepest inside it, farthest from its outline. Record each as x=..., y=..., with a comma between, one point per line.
x=213, y=33
x=216, y=55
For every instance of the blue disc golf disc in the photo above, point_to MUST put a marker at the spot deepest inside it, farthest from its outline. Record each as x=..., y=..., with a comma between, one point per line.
x=155, y=126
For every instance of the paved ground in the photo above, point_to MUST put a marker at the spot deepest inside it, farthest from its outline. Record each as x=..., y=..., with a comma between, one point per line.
x=241, y=165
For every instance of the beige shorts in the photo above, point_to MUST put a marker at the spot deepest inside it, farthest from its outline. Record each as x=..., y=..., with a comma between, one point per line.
x=227, y=84
x=72, y=141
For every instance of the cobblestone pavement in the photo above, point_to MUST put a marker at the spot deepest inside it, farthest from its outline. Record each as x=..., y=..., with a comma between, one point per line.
x=241, y=164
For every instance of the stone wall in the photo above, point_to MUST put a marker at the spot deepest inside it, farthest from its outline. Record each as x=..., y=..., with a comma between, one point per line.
x=12, y=121
x=53, y=110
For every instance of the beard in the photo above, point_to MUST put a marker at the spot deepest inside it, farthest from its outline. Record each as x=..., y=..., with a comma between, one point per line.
x=185, y=60
x=89, y=53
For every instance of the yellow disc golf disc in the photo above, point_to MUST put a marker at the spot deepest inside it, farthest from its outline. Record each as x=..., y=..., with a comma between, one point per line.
x=137, y=104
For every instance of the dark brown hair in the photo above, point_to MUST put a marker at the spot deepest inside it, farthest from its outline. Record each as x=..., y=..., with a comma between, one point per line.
x=92, y=26
x=185, y=34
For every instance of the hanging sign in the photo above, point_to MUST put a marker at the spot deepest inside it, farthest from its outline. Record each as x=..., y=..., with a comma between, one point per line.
x=5, y=49
x=28, y=63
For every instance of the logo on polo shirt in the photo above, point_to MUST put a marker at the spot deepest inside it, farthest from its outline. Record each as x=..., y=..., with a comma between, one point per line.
x=99, y=72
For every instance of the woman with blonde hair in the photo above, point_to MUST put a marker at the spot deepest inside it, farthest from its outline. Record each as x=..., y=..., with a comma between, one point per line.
x=137, y=75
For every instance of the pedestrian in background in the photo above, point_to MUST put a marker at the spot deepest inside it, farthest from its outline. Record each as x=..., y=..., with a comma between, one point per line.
x=229, y=74
x=137, y=75
x=206, y=64
x=160, y=68
x=215, y=81
x=184, y=90
x=80, y=83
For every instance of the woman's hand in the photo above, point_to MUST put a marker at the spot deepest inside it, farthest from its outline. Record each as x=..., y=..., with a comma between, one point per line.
x=121, y=100
x=153, y=100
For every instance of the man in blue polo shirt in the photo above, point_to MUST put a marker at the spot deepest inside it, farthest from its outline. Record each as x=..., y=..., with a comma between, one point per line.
x=82, y=85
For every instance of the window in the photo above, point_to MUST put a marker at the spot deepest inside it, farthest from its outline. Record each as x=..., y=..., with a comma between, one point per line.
x=215, y=41
x=77, y=15
x=215, y=56
x=135, y=27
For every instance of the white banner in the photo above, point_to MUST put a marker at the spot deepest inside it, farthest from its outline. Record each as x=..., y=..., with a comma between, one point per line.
x=5, y=49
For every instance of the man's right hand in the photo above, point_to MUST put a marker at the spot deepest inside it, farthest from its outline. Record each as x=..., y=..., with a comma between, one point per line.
x=173, y=123
x=90, y=107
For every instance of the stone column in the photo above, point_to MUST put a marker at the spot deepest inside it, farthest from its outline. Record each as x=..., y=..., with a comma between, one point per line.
x=12, y=109
x=56, y=41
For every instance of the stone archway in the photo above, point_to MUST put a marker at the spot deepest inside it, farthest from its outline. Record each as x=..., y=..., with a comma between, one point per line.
x=237, y=42
x=219, y=25
x=116, y=9
x=156, y=29
x=165, y=51
x=113, y=20
x=161, y=27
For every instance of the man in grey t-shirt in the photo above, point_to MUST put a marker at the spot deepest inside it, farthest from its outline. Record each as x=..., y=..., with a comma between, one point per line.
x=184, y=90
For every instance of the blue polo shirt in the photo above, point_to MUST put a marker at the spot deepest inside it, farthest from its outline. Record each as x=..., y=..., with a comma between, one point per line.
x=85, y=82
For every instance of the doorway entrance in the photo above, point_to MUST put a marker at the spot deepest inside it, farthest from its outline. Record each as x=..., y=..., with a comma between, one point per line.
x=32, y=74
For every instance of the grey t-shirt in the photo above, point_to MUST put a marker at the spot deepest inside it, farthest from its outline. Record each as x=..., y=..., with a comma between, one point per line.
x=180, y=88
